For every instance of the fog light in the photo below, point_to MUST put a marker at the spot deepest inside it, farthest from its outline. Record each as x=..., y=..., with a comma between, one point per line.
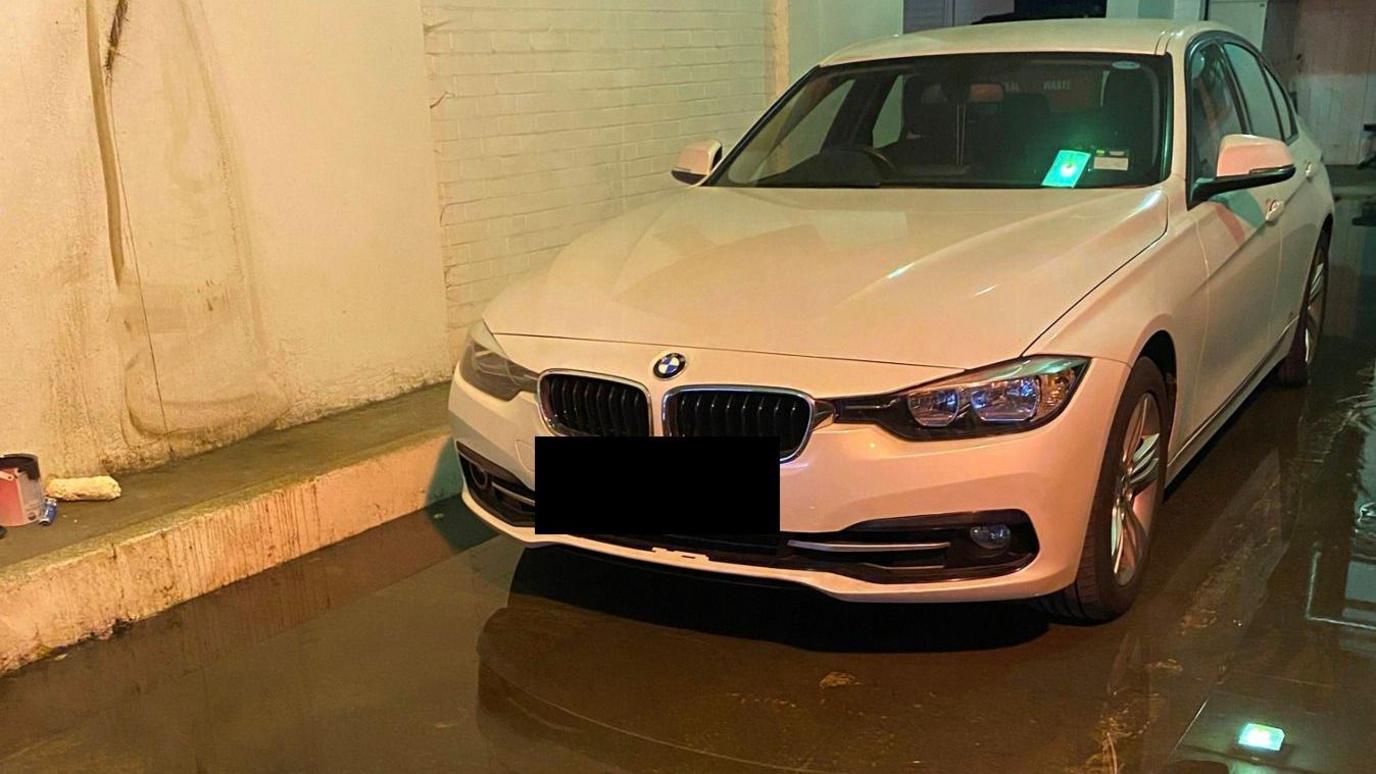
x=992, y=537
x=476, y=475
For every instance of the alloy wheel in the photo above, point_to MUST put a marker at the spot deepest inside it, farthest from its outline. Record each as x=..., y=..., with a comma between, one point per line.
x=1136, y=495
x=1314, y=309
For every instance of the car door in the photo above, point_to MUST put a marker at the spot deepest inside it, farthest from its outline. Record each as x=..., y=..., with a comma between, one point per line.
x=1283, y=213
x=1304, y=212
x=1241, y=251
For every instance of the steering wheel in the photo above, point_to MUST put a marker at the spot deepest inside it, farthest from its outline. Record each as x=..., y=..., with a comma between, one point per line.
x=880, y=160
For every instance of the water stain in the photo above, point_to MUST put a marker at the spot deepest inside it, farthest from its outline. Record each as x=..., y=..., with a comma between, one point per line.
x=197, y=367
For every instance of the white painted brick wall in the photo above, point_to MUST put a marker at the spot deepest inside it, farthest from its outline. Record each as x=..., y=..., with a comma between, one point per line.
x=551, y=116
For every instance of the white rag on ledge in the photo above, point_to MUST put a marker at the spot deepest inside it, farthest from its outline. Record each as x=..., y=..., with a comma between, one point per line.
x=90, y=488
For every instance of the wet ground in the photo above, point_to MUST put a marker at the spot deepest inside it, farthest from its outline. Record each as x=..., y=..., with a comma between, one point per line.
x=430, y=644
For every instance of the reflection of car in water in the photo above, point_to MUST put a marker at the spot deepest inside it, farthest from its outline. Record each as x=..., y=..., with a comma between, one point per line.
x=602, y=675
x=992, y=288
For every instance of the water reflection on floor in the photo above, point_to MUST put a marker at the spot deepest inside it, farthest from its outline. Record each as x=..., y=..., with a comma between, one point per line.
x=428, y=644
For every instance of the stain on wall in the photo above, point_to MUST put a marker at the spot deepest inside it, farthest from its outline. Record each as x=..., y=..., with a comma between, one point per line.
x=196, y=366
x=61, y=390
x=217, y=218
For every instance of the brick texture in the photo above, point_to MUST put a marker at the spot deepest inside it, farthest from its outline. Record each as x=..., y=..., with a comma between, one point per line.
x=551, y=116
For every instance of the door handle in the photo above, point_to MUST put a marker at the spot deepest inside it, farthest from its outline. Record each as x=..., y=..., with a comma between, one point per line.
x=1273, y=210
x=1309, y=170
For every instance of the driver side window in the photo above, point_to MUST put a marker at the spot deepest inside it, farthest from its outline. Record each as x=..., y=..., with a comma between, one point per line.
x=1214, y=111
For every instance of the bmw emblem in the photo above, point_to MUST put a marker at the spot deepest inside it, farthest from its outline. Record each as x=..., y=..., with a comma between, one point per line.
x=670, y=365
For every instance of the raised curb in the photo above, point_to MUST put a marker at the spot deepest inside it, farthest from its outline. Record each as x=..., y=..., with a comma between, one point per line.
x=89, y=588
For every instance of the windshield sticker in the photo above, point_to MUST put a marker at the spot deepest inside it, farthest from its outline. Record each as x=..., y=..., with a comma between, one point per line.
x=1116, y=160
x=1066, y=169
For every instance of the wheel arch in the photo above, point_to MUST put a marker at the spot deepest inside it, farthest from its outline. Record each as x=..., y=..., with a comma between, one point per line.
x=1159, y=348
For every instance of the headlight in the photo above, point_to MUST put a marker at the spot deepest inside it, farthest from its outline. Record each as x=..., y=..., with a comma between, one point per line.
x=1005, y=398
x=487, y=367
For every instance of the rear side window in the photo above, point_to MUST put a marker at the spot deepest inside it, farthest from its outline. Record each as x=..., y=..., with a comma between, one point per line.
x=1287, y=114
x=1214, y=110
x=1256, y=92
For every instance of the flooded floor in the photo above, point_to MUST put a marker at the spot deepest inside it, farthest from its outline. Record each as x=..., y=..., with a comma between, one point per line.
x=430, y=644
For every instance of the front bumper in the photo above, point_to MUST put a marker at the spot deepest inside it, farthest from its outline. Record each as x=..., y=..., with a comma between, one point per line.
x=847, y=474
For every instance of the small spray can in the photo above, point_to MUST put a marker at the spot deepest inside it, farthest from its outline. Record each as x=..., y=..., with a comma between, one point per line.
x=49, y=514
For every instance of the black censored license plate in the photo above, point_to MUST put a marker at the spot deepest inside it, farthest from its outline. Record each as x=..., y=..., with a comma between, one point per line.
x=656, y=486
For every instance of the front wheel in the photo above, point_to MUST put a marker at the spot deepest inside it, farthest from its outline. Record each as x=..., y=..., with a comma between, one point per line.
x=1131, y=482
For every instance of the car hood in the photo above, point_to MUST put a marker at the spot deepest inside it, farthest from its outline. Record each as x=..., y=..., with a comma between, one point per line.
x=945, y=278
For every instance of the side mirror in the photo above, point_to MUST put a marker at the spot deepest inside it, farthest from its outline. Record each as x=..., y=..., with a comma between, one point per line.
x=1245, y=161
x=697, y=161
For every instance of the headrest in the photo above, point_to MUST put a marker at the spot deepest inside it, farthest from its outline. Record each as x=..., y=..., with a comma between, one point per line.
x=917, y=93
x=1128, y=92
x=986, y=92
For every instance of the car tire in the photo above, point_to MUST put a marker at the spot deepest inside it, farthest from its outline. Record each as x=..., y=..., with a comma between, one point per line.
x=1132, y=476
x=1295, y=369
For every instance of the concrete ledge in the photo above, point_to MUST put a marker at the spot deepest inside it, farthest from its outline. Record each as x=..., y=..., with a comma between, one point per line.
x=87, y=588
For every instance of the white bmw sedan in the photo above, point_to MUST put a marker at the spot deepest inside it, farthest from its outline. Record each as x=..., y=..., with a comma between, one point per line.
x=990, y=287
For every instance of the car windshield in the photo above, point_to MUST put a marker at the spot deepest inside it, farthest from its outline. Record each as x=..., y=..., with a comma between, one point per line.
x=965, y=121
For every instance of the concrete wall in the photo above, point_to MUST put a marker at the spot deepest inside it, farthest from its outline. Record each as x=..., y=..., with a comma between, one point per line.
x=326, y=106
x=218, y=218
x=1335, y=74
x=1140, y=9
x=1155, y=9
x=1248, y=17
x=819, y=27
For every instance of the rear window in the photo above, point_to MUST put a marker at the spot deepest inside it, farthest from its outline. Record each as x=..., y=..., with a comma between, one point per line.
x=1287, y=115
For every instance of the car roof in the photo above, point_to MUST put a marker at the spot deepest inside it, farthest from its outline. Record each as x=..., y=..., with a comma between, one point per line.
x=1125, y=36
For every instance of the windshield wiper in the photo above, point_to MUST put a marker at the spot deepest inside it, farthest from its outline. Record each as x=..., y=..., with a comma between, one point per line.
x=817, y=185
x=961, y=184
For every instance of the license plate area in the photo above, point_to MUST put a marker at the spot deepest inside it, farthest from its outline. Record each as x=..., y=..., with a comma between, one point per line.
x=656, y=486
